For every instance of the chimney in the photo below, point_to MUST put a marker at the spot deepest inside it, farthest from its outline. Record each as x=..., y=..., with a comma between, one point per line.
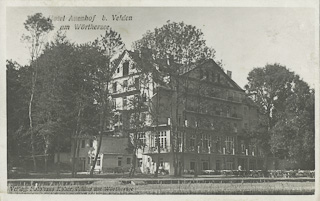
x=229, y=73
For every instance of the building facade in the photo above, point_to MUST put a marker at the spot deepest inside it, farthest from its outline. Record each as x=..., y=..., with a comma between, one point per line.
x=200, y=117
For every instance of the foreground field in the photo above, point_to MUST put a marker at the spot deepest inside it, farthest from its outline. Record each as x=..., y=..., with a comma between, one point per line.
x=139, y=187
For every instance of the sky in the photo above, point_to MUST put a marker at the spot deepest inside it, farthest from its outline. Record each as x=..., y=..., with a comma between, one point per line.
x=243, y=37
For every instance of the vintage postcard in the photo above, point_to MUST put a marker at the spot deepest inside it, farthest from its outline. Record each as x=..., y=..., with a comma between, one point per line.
x=210, y=100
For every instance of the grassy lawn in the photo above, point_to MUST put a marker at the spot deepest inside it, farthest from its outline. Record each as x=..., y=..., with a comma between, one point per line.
x=110, y=186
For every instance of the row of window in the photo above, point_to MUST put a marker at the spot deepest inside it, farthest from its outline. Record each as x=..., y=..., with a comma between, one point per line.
x=125, y=87
x=129, y=102
x=90, y=161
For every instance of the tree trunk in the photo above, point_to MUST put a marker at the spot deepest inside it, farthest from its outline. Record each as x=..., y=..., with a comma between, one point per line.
x=74, y=156
x=76, y=144
x=157, y=134
x=58, y=162
x=45, y=162
x=177, y=129
x=46, y=156
x=31, y=123
x=133, y=163
x=77, y=157
x=97, y=154
x=101, y=126
x=159, y=151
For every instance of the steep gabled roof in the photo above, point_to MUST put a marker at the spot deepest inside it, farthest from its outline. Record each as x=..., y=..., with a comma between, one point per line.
x=215, y=66
x=133, y=55
x=185, y=69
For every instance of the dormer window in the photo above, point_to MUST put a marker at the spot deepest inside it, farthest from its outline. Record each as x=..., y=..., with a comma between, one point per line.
x=118, y=70
x=125, y=68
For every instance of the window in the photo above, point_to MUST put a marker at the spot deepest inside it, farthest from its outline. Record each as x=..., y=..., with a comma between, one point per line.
x=91, y=143
x=125, y=68
x=83, y=143
x=125, y=85
x=118, y=70
x=229, y=144
x=119, y=161
x=206, y=142
x=88, y=160
x=124, y=102
x=192, y=140
x=98, y=161
x=163, y=139
x=180, y=141
x=114, y=87
x=161, y=162
x=116, y=118
x=142, y=138
x=219, y=78
x=229, y=164
x=218, y=144
x=137, y=83
x=143, y=117
x=228, y=111
x=139, y=162
x=243, y=146
x=114, y=103
x=235, y=127
x=144, y=97
x=128, y=160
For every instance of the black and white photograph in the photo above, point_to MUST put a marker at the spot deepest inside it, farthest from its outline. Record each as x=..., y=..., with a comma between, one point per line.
x=118, y=100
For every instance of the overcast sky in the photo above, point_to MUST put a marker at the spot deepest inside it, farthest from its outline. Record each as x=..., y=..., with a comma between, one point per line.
x=243, y=38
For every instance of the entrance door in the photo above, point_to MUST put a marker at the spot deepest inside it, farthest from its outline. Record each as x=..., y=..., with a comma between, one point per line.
x=192, y=165
x=205, y=165
x=218, y=165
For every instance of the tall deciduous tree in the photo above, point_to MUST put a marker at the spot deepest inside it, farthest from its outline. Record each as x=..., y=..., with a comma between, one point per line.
x=106, y=47
x=38, y=27
x=172, y=48
x=18, y=83
x=50, y=113
x=287, y=106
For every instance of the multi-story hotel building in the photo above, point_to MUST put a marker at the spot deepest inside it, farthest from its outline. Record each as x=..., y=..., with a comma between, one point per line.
x=201, y=120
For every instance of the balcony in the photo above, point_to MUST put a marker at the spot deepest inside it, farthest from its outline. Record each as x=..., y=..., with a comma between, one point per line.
x=125, y=92
x=213, y=113
x=154, y=150
x=215, y=96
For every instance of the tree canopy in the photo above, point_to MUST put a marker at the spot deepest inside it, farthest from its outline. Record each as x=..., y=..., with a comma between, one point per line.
x=286, y=105
x=183, y=43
